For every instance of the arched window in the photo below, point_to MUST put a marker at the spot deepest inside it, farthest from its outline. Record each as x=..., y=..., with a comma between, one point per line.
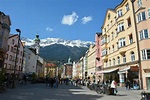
x=132, y=56
x=124, y=58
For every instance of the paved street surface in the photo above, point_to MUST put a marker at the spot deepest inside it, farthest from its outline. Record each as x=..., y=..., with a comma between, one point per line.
x=64, y=92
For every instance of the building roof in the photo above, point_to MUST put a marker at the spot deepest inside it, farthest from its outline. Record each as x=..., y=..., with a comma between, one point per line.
x=50, y=65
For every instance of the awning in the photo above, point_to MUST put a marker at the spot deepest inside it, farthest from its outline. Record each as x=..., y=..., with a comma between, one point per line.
x=132, y=68
x=110, y=70
x=123, y=70
x=99, y=72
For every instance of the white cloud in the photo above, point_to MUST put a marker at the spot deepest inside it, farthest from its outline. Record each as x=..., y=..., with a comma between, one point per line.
x=69, y=19
x=49, y=29
x=86, y=19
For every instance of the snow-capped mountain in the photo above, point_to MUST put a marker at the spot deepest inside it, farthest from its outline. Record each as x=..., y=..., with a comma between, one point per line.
x=51, y=41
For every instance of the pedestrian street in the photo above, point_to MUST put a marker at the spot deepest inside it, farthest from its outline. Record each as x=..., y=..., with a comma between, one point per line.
x=64, y=92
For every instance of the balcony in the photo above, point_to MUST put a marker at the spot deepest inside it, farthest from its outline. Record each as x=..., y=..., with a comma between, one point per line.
x=105, y=58
x=122, y=51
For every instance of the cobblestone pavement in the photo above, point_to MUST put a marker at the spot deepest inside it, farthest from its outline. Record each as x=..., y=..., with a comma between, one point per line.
x=64, y=92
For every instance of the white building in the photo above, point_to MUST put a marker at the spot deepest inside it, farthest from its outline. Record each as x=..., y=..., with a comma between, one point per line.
x=74, y=70
x=30, y=60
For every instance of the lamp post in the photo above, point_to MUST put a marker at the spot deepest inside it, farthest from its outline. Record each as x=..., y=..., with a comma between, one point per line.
x=138, y=46
x=14, y=76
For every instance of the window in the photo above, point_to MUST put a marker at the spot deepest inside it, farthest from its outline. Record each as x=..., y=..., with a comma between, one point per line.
x=119, y=13
x=114, y=61
x=109, y=50
x=130, y=38
x=124, y=58
x=8, y=47
x=112, y=35
x=104, y=40
x=113, y=48
x=129, y=22
x=104, y=30
x=9, y=66
x=20, y=60
x=10, y=58
x=104, y=52
x=143, y=34
x=118, y=60
x=116, y=32
x=108, y=38
x=122, y=42
x=117, y=45
x=141, y=16
x=109, y=62
x=145, y=54
x=106, y=63
x=5, y=66
x=139, y=3
x=120, y=27
x=12, y=49
x=132, y=56
x=13, y=41
x=127, y=7
x=149, y=13
x=6, y=56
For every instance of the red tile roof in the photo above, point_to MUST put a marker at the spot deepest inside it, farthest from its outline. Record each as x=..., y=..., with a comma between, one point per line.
x=50, y=65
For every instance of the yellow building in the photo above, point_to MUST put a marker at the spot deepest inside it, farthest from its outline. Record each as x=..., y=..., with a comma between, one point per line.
x=119, y=46
x=91, y=57
x=142, y=15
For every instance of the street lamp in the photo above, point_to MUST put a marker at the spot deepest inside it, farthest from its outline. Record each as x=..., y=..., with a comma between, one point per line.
x=14, y=76
x=138, y=46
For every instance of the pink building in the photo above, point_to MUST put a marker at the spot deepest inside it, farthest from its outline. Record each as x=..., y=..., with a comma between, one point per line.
x=98, y=61
x=9, y=63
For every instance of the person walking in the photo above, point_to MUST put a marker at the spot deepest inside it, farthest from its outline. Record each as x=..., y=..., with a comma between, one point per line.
x=114, y=86
x=46, y=80
x=128, y=85
x=25, y=79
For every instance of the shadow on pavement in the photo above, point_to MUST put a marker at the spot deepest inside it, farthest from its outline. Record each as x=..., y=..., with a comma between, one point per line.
x=43, y=92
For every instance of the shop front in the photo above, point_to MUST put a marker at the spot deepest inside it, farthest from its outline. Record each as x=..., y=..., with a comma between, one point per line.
x=128, y=73
x=111, y=74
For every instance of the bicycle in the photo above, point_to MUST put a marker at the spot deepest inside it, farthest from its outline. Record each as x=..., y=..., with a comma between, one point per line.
x=100, y=89
x=3, y=87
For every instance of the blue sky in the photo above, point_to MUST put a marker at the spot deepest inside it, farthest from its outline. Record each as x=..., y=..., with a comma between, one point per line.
x=66, y=19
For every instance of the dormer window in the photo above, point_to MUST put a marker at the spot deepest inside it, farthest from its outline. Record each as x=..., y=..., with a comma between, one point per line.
x=119, y=13
x=127, y=7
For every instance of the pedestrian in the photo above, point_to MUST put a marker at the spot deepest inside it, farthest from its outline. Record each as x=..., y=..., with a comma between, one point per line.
x=114, y=86
x=128, y=85
x=46, y=80
x=25, y=79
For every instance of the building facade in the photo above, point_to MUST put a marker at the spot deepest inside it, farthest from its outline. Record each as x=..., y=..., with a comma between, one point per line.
x=50, y=69
x=10, y=60
x=4, y=35
x=99, y=67
x=91, y=61
x=68, y=69
x=119, y=44
x=30, y=60
x=142, y=19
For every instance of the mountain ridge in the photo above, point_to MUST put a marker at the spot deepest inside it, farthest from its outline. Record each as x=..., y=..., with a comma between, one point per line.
x=56, y=49
x=50, y=41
